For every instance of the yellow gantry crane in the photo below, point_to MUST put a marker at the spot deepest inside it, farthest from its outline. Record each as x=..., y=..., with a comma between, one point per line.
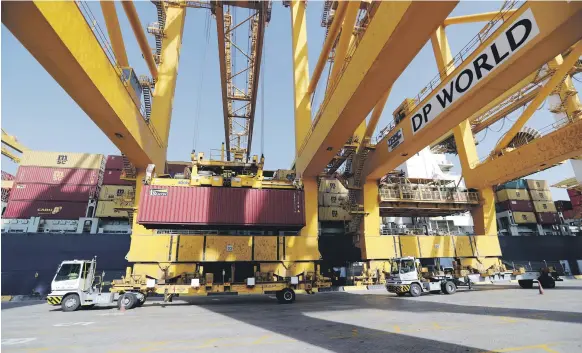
x=371, y=43
x=11, y=147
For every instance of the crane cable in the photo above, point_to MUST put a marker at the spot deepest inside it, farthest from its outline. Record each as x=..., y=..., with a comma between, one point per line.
x=262, y=78
x=200, y=92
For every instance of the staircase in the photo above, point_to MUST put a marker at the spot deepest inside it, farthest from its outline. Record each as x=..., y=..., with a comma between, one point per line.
x=157, y=29
x=128, y=172
x=146, y=88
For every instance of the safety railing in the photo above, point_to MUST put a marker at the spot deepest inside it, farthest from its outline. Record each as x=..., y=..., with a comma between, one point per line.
x=106, y=46
x=461, y=56
x=429, y=195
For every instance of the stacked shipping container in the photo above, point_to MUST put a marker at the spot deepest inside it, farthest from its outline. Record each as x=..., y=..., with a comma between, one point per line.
x=55, y=185
x=113, y=187
x=545, y=209
x=332, y=195
x=513, y=196
x=575, y=211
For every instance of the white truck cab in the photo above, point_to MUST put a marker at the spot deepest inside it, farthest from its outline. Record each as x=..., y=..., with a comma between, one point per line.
x=405, y=277
x=75, y=285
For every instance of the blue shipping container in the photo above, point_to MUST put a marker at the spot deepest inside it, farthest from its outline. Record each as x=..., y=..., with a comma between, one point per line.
x=516, y=184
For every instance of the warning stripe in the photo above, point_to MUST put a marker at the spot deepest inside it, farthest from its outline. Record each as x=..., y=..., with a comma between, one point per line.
x=54, y=300
x=399, y=288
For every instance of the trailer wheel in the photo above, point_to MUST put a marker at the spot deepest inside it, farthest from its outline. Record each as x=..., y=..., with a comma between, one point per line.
x=547, y=282
x=449, y=287
x=525, y=283
x=287, y=296
x=128, y=300
x=415, y=290
x=71, y=302
x=278, y=295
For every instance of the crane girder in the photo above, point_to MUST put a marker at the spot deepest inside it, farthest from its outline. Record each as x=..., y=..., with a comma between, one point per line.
x=539, y=154
x=500, y=61
x=59, y=37
x=239, y=132
x=393, y=37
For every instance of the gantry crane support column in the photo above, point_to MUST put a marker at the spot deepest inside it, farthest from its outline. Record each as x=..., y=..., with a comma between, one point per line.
x=163, y=97
x=115, y=36
x=59, y=37
x=137, y=28
x=304, y=246
x=537, y=32
x=394, y=36
x=484, y=217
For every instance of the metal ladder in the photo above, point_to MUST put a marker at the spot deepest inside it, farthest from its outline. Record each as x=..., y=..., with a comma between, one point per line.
x=128, y=172
x=157, y=29
x=146, y=86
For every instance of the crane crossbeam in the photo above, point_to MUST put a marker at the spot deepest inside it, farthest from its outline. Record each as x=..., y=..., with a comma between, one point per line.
x=539, y=154
x=393, y=37
x=528, y=39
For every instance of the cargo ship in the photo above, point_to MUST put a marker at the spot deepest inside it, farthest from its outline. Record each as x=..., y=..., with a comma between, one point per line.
x=63, y=206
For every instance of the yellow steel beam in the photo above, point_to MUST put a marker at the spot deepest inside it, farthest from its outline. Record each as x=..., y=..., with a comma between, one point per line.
x=341, y=48
x=539, y=154
x=219, y=13
x=394, y=36
x=536, y=32
x=12, y=142
x=115, y=36
x=327, y=45
x=6, y=152
x=480, y=17
x=58, y=36
x=163, y=97
x=300, y=72
x=560, y=72
x=505, y=111
x=135, y=23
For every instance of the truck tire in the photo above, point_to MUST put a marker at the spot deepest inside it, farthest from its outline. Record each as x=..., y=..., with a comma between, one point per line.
x=128, y=300
x=449, y=287
x=547, y=282
x=415, y=290
x=141, y=299
x=287, y=296
x=525, y=283
x=71, y=302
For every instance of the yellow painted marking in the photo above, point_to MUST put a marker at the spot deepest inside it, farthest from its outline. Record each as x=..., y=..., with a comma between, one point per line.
x=544, y=347
x=396, y=328
x=261, y=339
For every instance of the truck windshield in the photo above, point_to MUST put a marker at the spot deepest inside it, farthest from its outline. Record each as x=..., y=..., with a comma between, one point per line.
x=402, y=266
x=68, y=272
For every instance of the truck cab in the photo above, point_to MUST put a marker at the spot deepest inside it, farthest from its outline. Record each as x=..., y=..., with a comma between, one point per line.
x=75, y=285
x=406, y=277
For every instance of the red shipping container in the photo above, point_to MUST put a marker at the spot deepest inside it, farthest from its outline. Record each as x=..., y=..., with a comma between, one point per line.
x=162, y=206
x=7, y=176
x=576, y=200
x=574, y=192
x=114, y=163
x=112, y=177
x=45, y=209
x=45, y=175
x=48, y=192
x=515, y=206
x=548, y=218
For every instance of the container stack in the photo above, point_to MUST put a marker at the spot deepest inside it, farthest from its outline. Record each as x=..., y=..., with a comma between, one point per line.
x=56, y=185
x=332, y=196
x=541, y=196
x=514, y=196
x=113, y=187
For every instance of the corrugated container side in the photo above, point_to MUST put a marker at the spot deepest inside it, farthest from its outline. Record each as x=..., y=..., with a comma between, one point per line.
x=110, y=192
x=545, y=206
x=574, y=192
x=332, y=186
x=114, y=163
x=45, y=209
x=514, y=205
x=48, y=192
x=512, y=194
x=106, y=209
x=576, y=200
x=524, y=217
x=62, y=160
x=334, y=214
x=562, y=205
x=112, y=177
x=548, y=218
x=540, y=195
x=334, y=199
x=221, y=206
x=45, y=175
x=537, y=184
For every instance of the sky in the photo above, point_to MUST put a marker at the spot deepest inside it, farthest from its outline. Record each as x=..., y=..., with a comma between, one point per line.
x=36, y=110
